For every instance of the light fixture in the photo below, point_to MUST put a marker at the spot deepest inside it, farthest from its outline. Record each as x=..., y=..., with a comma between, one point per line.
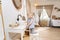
x=35, y=4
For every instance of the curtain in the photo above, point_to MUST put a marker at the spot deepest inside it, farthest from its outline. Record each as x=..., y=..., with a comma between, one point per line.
x=44, y=18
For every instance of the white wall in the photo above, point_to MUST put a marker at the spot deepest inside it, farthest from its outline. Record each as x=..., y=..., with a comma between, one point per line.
x=10, y=12
x=55, y=12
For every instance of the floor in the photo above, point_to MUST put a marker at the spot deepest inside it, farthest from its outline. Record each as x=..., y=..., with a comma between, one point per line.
x=46, y=33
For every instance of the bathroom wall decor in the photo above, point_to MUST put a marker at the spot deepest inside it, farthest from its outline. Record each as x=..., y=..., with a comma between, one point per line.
x=58, y=9
x=17, y=4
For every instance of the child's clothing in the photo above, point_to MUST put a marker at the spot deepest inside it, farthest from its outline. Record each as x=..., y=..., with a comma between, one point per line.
x=31, y=30
x=32, y=26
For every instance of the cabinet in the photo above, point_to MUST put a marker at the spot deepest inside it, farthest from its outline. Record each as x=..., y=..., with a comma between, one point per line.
x=55, y=22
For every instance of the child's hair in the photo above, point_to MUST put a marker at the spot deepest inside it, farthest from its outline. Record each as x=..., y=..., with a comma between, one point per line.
x=31, y=13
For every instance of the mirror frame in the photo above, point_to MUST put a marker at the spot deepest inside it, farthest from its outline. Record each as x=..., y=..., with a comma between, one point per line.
x=16, y=4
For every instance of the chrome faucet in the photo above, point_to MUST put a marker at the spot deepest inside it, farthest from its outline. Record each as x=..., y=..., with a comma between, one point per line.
x=23, y=18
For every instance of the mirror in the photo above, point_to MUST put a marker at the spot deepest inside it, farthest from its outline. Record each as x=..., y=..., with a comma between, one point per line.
x=17, y=4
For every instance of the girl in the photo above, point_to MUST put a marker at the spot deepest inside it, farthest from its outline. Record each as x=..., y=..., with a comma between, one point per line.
x=31, y=23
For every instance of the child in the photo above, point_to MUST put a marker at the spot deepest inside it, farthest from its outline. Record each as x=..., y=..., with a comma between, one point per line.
x=31, y=23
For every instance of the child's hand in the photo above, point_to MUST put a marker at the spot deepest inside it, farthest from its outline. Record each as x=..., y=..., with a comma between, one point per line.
x=27, y=27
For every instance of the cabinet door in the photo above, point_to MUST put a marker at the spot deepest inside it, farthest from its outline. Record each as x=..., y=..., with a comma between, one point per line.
x=56, y=22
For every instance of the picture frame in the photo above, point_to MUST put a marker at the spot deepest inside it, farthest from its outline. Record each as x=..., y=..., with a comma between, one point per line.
x=17, y=4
